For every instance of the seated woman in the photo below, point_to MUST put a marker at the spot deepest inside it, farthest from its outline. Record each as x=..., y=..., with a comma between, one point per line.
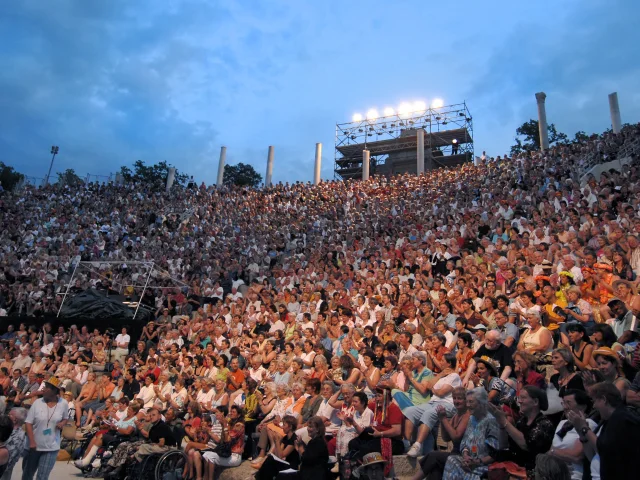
x=608, y=364
x=385, y=433
x=353, y=424
x=537, y=339
x=479, y=443
x=453, y=429
x=524, y=365
x=566, y=445
x=426, y=415
x=314, y=456
x=277, y=413
x=531, y=435
x=499, y=391
x=283, y=450
x=234, y=434
x=117, y=431
x=580, y=345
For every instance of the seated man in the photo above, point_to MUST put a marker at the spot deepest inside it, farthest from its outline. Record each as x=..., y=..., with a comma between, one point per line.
x=160, y=436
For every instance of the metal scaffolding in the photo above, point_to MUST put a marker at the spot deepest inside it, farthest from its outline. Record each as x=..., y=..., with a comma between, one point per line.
x=448, y=138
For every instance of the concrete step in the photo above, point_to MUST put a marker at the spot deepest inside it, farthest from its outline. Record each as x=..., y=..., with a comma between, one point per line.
x=404, y=468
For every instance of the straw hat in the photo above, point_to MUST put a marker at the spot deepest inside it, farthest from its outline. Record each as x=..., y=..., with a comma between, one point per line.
x=53, y=382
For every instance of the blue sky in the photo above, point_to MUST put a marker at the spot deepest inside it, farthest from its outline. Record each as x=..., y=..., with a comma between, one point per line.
x=114, y=81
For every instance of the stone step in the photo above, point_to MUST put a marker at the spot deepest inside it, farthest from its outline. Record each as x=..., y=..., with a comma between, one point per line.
x=404, y=468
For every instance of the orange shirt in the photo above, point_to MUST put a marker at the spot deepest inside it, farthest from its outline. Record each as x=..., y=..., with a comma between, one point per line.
x=237, y=376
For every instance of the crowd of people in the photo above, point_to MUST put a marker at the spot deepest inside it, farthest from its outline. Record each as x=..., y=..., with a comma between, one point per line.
x=491, y=307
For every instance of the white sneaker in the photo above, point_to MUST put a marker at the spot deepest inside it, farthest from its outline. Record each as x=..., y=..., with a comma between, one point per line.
x=415, y=450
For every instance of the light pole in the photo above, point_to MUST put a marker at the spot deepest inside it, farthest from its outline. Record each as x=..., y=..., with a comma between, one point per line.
x=54, y=151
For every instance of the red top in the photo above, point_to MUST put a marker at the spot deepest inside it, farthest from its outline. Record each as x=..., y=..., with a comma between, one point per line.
x=394, y=416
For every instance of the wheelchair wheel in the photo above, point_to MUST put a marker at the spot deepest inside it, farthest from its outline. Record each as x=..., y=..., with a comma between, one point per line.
x=169, y=463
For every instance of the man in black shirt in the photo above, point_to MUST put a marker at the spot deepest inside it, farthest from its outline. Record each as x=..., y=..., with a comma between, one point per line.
x=160, y=436
x=496, y=350
x=131, y=386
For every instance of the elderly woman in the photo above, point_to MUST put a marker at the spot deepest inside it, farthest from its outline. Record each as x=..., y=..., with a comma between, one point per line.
x=277, y=413
x=531, y=435
x=416, y=391
x=537, y=339
x=15, y=444
x=426, y=414
x=480, y=440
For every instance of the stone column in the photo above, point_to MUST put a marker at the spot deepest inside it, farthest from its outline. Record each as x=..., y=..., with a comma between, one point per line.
x=614, y=110
x=119, y=179
x=318, y=165
x=171, y=177
x=420, y=152
x=365, y=164
x=221, y=163
x=542, y=120
x=267, y=181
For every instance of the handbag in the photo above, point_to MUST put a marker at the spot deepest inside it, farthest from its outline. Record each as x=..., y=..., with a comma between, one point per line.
x=223, y=449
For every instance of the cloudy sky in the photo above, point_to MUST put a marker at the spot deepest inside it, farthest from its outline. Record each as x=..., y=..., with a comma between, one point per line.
x=114, y=81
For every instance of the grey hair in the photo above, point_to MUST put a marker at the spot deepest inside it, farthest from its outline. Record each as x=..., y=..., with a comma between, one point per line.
x=297, y=384
x=481, y=396
x=348, y=386
x=271, y=387
x=20, y=416
x=440, y=336
x=283, y=386
x=331, y=384
x=494, y=333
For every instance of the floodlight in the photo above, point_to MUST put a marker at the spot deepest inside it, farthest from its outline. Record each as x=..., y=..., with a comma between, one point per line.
x=404, y=109
x=454, y=141
x=388, y=111
x=357, y=117
x=420, y=106
x=372, y=114
x=437, y=103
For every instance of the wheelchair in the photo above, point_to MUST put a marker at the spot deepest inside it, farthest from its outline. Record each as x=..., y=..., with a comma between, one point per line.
x=158, y=466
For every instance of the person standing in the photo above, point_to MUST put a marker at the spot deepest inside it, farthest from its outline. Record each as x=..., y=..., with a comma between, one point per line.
x=46, y=419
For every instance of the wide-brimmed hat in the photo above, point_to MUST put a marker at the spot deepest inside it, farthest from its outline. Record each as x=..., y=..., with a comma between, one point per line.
x=628, y=284
x=490, y=363
x=371, y=458
x=53, y=382
x=606, y=352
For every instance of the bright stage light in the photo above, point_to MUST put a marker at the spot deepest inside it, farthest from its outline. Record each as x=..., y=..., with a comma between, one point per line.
x=356, y=117
x=437, y=103
x=404, y=109
x=388, y=111
x=454, y=141
x=372, y=114
x=420, y=106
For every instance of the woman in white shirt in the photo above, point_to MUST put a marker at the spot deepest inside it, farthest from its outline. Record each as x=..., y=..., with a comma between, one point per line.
x=353, y=425
x=426, y=415
x=566, y=444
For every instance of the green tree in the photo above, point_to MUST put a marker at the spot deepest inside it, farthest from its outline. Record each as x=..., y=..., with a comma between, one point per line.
x=528, y=137
x=9, y=177
x=155, y=175
x=242, y=175
x=580, y=136
x=69, y=177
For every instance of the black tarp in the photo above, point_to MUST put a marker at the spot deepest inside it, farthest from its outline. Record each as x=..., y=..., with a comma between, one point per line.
x=93, y=305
